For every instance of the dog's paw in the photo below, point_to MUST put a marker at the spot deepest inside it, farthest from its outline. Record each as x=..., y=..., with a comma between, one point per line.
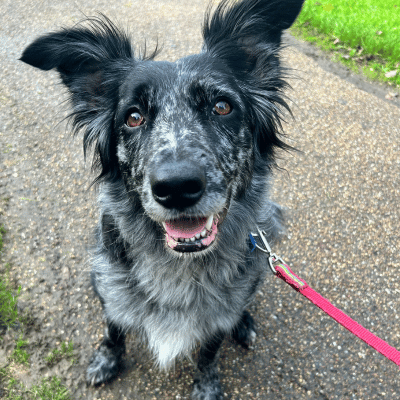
x=104, y=365
x=245, y=331
x=207, y=387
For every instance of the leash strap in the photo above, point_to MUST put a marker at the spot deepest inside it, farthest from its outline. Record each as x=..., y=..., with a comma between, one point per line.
x=282, y=271
x=287, y=275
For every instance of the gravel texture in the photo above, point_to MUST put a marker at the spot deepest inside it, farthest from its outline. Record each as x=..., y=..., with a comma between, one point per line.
x=341, y=191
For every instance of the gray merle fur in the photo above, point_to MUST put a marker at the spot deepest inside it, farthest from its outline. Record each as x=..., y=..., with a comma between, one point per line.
x=183, y=159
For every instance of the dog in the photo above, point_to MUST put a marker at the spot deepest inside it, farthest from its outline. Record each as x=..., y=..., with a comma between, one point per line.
x=184, y=153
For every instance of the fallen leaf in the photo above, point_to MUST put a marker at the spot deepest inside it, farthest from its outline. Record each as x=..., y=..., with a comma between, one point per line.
x=393, y=94
x=379, y=33
x=328, y=7
x=391, y=74
x=346, y=56
x=336, y=41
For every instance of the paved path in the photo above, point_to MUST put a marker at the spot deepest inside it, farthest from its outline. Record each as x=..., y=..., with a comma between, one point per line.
x=341, y=191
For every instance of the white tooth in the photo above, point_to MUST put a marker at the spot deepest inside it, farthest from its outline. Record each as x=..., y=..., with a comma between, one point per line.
x=203, y=233
x=198, y=236
x=187, y=240
x=165, y=226
x=210, y=222
x=192, y=239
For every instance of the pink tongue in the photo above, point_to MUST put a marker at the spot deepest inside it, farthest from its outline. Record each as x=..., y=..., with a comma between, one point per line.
x=185, y=228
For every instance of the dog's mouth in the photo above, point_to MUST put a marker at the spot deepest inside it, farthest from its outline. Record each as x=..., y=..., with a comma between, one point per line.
x=191, y=234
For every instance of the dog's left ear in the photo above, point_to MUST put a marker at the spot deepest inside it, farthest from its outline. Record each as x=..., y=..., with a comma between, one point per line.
x=245, y=35
x=92, y=60
x=248, y=26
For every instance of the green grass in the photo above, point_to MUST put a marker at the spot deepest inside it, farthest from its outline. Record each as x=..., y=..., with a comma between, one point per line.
x=66, y=350
x=10, y=387
x=2, y=232
x=365, y=33
x=13, y=386
x=19, y=355
x=50, y=389
x=8, y=297
x=8, y=303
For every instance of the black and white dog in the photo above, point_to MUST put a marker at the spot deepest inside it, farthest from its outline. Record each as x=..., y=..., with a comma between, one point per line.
x=184, y=152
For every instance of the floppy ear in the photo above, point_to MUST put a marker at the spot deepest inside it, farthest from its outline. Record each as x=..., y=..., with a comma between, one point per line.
x=246, y=36
x=92, y=62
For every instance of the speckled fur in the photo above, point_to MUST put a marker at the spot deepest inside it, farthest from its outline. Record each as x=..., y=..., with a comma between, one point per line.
x=177, y=301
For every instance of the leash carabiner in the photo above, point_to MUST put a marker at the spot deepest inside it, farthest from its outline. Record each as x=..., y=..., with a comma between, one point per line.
x=272, y=257
x=282, y=271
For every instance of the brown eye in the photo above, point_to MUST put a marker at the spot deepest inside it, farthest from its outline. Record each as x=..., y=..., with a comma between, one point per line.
x=222, y=107
x=134, y=119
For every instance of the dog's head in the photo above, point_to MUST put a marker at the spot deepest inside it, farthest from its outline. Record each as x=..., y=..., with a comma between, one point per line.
x=185, y=137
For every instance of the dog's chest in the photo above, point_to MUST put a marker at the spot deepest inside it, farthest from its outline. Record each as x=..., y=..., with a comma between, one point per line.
x=184, y=313
x=172, y=311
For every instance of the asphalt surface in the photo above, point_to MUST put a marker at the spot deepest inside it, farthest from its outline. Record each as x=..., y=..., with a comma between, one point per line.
x=341, y=192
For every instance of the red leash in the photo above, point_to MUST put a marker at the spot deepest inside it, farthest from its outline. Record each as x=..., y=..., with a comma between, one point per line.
x=282, y=271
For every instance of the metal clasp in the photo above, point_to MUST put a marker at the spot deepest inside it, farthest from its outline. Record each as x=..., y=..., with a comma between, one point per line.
x=272, y=257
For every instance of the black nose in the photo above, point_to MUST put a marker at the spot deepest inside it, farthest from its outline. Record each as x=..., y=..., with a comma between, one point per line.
x=178, y=185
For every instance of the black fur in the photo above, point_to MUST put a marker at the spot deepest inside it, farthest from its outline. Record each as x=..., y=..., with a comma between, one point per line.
x=106, y=362
x=176, y=145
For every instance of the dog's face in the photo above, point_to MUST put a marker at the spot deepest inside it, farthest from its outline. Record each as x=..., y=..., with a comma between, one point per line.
x=184, y=146
x=185, y=137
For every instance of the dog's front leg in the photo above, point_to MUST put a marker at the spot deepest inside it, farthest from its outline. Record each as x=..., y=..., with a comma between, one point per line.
x=106, y=361
x=206, y=382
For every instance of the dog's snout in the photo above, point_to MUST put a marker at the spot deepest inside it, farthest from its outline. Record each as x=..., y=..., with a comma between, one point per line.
x=178, y=185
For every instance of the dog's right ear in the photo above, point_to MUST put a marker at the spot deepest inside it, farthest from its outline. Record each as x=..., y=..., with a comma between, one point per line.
x=80, y=51
x=92, y=61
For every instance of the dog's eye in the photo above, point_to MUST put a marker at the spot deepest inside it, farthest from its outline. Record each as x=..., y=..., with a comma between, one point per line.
x=222, y=107
x=134, y=119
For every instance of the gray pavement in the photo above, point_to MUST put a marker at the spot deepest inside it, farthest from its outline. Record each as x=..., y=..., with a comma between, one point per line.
x=341, y=192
